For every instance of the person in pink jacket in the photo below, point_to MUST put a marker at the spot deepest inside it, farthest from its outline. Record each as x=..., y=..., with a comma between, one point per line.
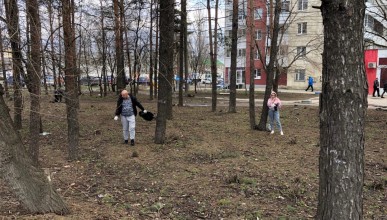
x=274, y=104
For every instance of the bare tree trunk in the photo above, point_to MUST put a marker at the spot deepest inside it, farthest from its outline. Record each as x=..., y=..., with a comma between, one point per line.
x=34, y=66
x=214, y=60
x=2, y=60
x=270, y=69
x=27, y=182
x=12, y=13
x=181, y=50
x=166, y=68
x=104, y=73
x=186, y=49
x=121, y=84
x=156, y=70
x=151, y=52
x=234, y=44
x=129, y=59
x=342, y=111
x=213, y=52
x=72, y=99
x=52, y=53
x=252, y=66
x=60, y=73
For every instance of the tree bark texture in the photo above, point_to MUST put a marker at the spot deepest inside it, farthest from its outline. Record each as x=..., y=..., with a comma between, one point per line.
x=72, y=99
x=252, y=67
x=342, y=111
x=3, y=70
x=166, y=68
x=34, y=66
x=28, y=183
x=181, y=52
x=271, y=67
x=234, y=48
x=12, y=14
x=121, y=84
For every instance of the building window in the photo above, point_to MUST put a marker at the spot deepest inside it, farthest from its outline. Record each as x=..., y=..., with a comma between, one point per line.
x=241, y=15
x=369, y=21
x=258, y=34
x=228, y=53
x=302, y=28
x=229, y=15
x=285, y=6
x=373, y=24
x=241, y=33
x=229, y=33
x=300, y=75
x=257, y=74
x=258, y=13
x=242, y=52
x=257, y=55
x=302, y=5
x=301, y=51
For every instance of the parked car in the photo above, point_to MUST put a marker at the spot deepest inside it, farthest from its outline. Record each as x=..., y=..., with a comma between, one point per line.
x=90, y=81
x=223, y=85
x=49, y=80
x=143, y=80
x=207, y=81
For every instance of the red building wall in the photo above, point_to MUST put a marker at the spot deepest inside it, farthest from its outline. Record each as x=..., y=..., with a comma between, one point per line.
x=258, y=24
x=370, y=56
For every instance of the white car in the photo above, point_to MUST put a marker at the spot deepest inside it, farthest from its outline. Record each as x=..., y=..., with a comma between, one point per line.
x=207, y=81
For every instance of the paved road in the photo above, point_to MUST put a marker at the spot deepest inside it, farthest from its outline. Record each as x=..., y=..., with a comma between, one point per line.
x=373, y=102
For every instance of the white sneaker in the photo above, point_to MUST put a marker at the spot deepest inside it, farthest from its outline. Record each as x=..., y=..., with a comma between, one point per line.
x=272, y=132
x=282, y=133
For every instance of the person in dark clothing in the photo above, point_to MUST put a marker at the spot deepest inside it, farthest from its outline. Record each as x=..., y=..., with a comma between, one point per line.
x=127, y=109
x=58, y=94
x=376, y=87
x=384, y=88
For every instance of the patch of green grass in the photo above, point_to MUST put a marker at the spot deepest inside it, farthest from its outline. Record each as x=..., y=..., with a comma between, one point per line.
x=228, y=154
x=253, y=215
x=224, y=202
x=248, y=181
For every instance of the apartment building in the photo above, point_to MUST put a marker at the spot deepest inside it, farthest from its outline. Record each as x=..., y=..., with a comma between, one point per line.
x=305, y=43
x=300, y=41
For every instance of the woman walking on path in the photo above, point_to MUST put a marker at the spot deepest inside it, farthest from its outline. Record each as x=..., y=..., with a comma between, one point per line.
x=274, y=104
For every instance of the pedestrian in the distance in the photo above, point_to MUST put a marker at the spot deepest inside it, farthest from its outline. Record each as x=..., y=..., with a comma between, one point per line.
x=310, y=83
x=376, y=87
x=274, y=104
x=127, y=108
x=384, y=88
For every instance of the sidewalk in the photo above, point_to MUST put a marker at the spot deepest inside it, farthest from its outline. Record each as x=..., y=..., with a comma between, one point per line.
x=373, y=102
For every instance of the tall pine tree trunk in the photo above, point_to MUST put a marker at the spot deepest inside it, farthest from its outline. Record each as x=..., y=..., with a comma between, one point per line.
x=3, y=69
x=252, y=66
x=72, y=99
x=28, y=183
x=342, y=111
x=233, y=66
x=12, y=13
x=271, y=67
x=166, y=68
x=121, y=83
x=34, y=66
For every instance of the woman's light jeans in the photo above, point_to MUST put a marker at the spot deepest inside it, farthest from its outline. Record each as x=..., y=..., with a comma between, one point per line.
x=274, y=116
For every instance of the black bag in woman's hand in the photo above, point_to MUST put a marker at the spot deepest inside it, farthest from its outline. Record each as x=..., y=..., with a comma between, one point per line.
x=149, y=116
